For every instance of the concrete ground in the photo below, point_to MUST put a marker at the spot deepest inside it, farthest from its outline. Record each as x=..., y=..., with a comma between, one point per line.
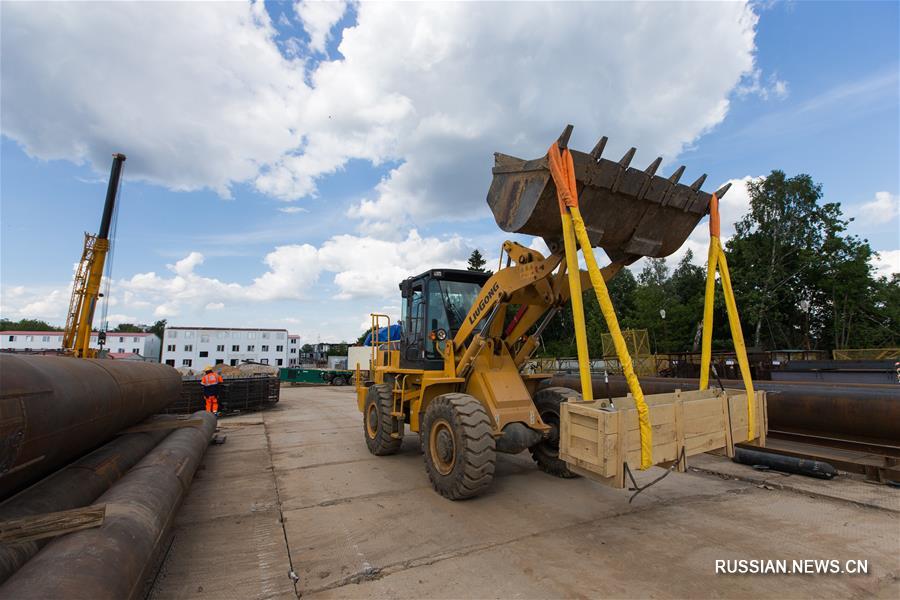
x=293, y=504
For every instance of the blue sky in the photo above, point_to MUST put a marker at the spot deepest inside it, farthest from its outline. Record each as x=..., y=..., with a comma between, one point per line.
x=307, y=157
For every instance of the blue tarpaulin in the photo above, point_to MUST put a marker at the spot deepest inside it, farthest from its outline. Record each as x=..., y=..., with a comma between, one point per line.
x=384, y=335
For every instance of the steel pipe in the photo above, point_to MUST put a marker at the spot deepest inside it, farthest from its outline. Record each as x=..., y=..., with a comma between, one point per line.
x=53, y=409
x=114, y=560
x=857, y=411
x=74, y=486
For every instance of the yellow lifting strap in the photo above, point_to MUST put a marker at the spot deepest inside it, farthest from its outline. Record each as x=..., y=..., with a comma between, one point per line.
x=718, y=261
x=563, y=171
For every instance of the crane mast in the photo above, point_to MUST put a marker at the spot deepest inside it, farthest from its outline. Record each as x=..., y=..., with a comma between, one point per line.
x=89, y=273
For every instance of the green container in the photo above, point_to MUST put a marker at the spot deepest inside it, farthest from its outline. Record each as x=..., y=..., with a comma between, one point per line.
x=294, y=375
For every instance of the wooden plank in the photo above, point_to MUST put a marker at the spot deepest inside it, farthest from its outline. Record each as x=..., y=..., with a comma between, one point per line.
x=679, y=430
x=729, y=425
x=36, y=527
x=591, y=434
x=620, y=451
x=564, y=420
x=162, y=424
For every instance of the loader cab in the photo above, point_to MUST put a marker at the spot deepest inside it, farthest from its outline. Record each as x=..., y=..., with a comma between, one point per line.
x=436, y=299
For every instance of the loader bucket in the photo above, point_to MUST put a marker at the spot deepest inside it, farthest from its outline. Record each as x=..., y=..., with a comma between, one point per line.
x=628, y=212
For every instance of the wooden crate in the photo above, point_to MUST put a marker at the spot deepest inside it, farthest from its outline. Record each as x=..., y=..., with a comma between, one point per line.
x=696, y=421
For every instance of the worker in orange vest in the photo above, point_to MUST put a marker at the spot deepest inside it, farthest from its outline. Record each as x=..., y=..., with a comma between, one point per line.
x=210, y=382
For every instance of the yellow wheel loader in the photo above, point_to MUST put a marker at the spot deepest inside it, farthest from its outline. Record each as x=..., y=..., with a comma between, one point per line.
x=455, y=374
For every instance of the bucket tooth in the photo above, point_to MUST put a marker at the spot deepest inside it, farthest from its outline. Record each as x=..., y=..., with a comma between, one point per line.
x=597, y=152
x=626, y=160
x=563, y=141
x=721, y=191
x=677, y=175
x=651, y=170
x=696, y=185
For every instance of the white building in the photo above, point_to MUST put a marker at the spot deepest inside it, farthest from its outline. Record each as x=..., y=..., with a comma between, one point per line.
x=196, y=347
x=144, y=344
x=293, y=350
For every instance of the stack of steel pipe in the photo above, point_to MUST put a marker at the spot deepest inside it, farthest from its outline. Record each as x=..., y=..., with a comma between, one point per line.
x=53, y=410
x=115, y=560
x=74, y=486
x=858, y=411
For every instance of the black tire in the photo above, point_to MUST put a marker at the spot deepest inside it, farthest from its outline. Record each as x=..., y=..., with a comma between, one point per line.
x=378, y=422
x=339, y=381
x=460, y=449
x=546, y=452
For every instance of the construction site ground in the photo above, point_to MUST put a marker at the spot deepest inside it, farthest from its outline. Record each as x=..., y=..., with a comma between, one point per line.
x=292, y=504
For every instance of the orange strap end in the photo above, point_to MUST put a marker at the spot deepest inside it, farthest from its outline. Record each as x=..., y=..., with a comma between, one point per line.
x=714, y=226
x=563, y=171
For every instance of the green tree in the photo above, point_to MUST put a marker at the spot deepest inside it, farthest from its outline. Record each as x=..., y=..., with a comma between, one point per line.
x=477, y=262
x=27, y=325
x=128, y=328
x=158, y=328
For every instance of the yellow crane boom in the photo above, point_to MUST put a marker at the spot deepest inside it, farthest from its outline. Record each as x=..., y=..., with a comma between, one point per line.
x=88, y=275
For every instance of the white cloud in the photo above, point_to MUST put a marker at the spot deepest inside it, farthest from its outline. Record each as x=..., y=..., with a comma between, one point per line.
x=215, y=306
x=434, y=87
x=318, y=18
x=753, y=84
x=886, y=262
x=885, y=207
x=196, y=94
x=292, y=209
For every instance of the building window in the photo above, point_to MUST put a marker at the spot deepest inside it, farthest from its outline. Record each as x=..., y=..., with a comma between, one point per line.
x=121, y=350
x=172, y=334
x=219, y=361
x=12, y=338
x=135, y=339
x=189, y=348
x=221, y=335
x=29, y=338
x=186, y=362
x=204, y=354
x=136, y=351
x=45, y=338
x=188, y=334
x=293, y=351
x=233, y=362
x=204, y=339
x=235, y=348
x=265, y=335
x=171, y=362
x=220, y=348
x=121, y=339
x=170, y=348
x=251, y=335
x=264, y=361
x=293, y=340
x=280, y=335
x=265, y=348
x=279, y=348
x=278, y=361
x=251, y=348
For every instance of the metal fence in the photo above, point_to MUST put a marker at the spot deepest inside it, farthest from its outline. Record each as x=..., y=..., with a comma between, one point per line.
x=240, y=394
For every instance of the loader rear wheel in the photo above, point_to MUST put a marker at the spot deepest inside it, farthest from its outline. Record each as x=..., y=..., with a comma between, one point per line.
x=459, y=445
x=378, y=422
x=546, y=452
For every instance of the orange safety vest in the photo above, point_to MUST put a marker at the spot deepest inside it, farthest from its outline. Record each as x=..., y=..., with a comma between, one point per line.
x=211, y=379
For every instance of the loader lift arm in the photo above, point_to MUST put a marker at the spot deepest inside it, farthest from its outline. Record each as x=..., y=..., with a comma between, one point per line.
x=539, y=285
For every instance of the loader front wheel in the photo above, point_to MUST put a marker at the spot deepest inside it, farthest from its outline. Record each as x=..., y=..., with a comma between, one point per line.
x=459, y=445
x=546, y=452
x=378, y=423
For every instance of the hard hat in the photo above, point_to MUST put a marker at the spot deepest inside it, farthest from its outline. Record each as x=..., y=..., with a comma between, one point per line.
x=207, y=368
